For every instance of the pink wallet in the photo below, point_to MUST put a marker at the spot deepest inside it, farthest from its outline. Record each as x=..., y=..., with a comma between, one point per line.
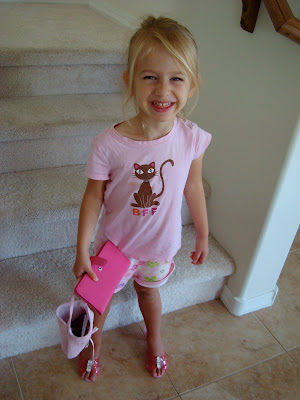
x=110, y=265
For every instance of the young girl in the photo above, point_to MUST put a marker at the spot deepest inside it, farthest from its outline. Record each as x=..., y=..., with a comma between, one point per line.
x=139, y=170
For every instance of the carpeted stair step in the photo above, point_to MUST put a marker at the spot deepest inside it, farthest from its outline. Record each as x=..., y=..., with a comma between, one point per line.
x=60, y=79
x=51, y=131
x=40, y=208
x=42, y=281
x=51, y=49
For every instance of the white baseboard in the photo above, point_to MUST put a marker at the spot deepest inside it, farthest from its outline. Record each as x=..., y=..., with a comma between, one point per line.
x=116, y=15
x=238, y=306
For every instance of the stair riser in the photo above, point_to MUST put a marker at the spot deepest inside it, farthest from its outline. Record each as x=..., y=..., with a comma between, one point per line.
x=44, y=153
x=30, y=238
x=59, y=80
x=47, y=153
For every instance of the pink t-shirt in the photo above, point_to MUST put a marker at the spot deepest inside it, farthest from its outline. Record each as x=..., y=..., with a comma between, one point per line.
x=145, y=184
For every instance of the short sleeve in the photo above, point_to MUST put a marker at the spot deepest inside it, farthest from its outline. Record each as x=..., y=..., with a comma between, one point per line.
x=97, y=166
x=201, y=141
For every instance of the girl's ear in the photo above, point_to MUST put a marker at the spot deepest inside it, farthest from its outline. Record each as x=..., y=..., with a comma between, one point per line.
x=192, y=91
x=126, y=78
x=193, y=87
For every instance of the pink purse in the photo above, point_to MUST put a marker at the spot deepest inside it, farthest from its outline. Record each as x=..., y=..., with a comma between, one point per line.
x=110, y=265
x=75, y=338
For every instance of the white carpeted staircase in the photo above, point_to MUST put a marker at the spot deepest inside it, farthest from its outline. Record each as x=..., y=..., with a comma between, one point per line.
x=60, y=84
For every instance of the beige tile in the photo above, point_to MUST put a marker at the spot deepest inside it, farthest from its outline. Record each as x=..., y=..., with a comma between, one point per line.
x=296, y=242
x=282, y=319
x=206, y=342
x=276, y=379
x=289, y=281
x=123, y=374
x=295, y=354
x=8, y=381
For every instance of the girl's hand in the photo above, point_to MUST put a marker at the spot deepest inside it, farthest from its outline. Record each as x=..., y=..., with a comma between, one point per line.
x=201, y=251
x=83, y=265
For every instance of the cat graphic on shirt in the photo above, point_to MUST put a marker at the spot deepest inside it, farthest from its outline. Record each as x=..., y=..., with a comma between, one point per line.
x=145, y=197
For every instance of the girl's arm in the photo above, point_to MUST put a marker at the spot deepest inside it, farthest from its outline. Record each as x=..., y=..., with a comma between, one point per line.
x=89, y=213
x=195, y=198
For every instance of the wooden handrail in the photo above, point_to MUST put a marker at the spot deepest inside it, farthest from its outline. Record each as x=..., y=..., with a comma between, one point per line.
x=249, y=14
x=280, y=13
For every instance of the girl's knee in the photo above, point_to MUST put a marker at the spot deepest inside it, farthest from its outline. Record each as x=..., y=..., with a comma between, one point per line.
x=145, y=292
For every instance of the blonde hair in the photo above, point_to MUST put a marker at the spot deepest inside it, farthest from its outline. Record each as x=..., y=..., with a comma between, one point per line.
x=176, y=40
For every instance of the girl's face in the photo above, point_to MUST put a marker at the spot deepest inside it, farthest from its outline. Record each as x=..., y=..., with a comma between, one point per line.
x=162, y=87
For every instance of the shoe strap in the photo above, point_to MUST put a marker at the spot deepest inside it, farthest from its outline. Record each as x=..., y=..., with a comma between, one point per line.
x=158, y=362
x=90, y=363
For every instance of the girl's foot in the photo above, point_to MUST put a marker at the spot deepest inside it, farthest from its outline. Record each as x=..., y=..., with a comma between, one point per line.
x=156, y=357
x=89, y=370
x=157, y=365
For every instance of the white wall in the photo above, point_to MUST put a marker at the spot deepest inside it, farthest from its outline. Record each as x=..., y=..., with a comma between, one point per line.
x=280, y=225
x=250, y=103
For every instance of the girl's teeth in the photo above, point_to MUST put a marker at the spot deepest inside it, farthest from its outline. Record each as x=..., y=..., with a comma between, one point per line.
x=161, y=104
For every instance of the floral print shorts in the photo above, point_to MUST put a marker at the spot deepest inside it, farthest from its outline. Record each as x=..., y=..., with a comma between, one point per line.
x=147, y=273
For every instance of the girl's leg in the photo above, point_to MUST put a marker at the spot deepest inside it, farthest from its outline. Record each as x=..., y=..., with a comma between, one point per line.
x=99, y=320
x=150, y=305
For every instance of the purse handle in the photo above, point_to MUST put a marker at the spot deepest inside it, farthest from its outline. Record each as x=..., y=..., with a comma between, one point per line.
x=71, y=313
x=71, y=310
x=90, y=362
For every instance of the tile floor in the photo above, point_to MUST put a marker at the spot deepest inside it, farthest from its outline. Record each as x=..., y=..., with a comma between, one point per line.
x=212, y=355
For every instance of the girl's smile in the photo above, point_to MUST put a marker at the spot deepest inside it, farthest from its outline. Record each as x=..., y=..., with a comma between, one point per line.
x=162, y=107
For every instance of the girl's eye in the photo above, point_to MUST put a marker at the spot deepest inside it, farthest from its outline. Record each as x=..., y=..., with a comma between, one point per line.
x=176, y=79
x=149, y=77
